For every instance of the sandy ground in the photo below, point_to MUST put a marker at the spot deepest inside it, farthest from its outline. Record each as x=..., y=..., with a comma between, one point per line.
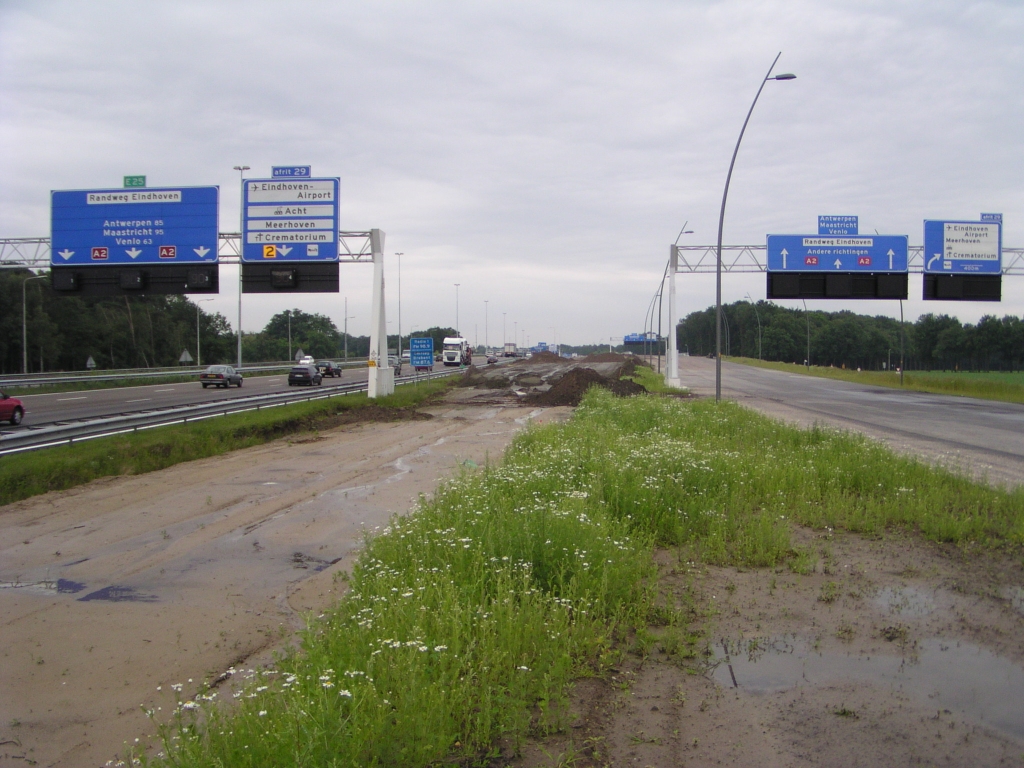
x=894, y=652
x=127, y=584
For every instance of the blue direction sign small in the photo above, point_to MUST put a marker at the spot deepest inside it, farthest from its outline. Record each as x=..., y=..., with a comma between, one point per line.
x=818, y=253
x=134, y=226
x=291, y=171
x=964, y=246
x=421, y=352
x=838, y=225
x=290, y=220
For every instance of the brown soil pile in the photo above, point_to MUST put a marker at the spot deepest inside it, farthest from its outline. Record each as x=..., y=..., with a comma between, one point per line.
x=607, y=357
x=546, y=357
x=571, y=388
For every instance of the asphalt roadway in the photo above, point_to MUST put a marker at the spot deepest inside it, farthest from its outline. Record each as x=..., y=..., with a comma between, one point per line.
x=85, y=404
x=982, y=437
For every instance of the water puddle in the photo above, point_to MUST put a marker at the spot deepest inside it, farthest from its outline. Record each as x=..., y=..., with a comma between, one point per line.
x=116, y=594
x=904, y=601
x=938, y=673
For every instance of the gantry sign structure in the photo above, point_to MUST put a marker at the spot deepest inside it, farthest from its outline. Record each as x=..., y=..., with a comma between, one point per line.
x=143, y=240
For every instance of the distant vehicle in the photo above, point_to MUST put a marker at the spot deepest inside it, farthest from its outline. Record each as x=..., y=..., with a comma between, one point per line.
x=220, y=376
x=307, y=360
x=510, y=349
x=456, y=351
x=492, y=360
x=304, y=374
x=11, y=409
x=396, y=363
x=328, y=368
x=406, y=355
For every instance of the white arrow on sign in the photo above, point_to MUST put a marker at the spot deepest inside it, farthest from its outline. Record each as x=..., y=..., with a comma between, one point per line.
x=838, y=263
x=203, y=250
x=785, y=253
x=890, y=255
x=66, y=254
x=284, y=250
x=933, y=259
x=133, y=252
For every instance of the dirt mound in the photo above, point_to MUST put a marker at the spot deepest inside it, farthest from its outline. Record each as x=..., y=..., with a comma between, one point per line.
x=571, y=388
x=546, y=357
x=606, y=357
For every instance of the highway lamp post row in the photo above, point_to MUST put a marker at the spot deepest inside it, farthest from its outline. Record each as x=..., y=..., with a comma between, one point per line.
x=24, y=322
x=347, y=318
x=758, y=326
x=399, y=257
x=241, y=247
x=289, y=335
x=503, y=332
x=721, y=224
x=457, y=309
x=808, y=317
x=486, y=349
x=199, y=363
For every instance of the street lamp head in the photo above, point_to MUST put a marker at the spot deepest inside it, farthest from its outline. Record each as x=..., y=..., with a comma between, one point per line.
x=241, y=167
x=785, y=76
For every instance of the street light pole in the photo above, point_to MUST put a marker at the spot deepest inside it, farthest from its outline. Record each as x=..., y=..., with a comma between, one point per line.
x=758, y=326
x=347, y=318
x=503, y=332
x=24, y=322
x=457, y=309
x=289, y=335
x=400, y=255
x=721, y=224
x=806, y=315
x=486, y=349
x=241, y=249
x=199, y=363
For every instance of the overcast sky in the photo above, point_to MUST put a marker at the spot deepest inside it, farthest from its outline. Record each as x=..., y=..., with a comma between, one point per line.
x=542, y=155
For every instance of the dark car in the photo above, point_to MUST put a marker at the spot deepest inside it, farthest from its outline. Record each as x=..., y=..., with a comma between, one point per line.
x=220, y=376
x=492, y=360
x=327, y=368
x=11, y=409
x=304, y=374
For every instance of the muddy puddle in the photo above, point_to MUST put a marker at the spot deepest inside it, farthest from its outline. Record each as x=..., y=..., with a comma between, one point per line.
x=946, y=675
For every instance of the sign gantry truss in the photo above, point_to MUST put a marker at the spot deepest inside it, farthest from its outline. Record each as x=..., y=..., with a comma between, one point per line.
x=34, y=252
x=751, y=258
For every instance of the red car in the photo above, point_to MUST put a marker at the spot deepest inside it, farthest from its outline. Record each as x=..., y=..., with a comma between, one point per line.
x=11, y=409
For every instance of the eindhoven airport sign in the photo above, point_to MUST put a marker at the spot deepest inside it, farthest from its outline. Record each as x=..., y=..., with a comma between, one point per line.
x=963, y=260
x=134, y=226
x=290, y=220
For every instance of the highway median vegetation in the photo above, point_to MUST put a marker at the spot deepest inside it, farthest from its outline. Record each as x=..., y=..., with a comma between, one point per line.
x=60, y=468
x=467, y=620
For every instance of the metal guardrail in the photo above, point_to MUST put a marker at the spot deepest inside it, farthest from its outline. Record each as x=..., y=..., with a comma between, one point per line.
x=57, y=434
x=63, y=377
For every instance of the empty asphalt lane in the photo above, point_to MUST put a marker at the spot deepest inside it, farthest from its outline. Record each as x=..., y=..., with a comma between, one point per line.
x=983, y=437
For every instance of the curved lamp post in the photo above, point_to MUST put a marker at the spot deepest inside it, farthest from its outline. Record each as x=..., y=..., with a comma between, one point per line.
x=721, y=223
x=24, y=321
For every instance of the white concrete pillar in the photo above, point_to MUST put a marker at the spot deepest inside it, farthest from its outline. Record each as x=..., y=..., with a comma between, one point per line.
x=672, y=374
x=380, y=376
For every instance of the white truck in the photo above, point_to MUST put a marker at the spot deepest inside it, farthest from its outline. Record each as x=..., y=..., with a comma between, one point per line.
x=510, y=349
x=456, y=351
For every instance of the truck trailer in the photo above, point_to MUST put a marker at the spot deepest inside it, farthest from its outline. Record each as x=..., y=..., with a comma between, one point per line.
x=456, y=351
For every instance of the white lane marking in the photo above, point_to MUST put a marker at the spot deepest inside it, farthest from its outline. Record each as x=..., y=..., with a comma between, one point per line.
x=163, y=390
x=142, y=400
x=65, y=399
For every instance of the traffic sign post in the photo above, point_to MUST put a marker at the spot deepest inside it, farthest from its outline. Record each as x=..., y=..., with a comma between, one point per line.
x=421, y=353
x=150, y=240
x=837, y=266
x=963, y=260
x=290, y=233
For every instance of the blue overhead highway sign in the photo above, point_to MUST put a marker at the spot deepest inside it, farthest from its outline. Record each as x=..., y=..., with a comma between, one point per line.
x=818, y=253
x=964, y=246
x=290, y=220
x=837, y=225
x=291, y=171
x=171, y=225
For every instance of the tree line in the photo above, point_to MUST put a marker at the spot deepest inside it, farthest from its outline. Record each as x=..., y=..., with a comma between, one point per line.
x=932, y=342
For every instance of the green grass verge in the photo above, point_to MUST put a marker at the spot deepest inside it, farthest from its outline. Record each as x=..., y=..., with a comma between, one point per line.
x=468, y=620
x=1005, y=387
x=654, y=382
x=56, y=469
